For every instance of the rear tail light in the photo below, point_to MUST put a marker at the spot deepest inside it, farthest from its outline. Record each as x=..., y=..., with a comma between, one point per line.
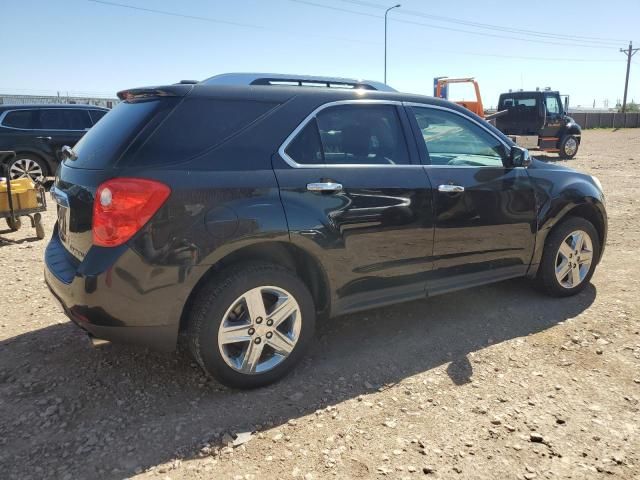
x=122, y=206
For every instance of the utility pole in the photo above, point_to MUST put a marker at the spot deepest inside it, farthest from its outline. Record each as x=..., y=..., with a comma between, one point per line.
x=385, y=39
x=630, y=52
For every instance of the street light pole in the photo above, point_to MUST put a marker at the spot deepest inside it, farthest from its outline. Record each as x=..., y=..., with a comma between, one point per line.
x=385, y=39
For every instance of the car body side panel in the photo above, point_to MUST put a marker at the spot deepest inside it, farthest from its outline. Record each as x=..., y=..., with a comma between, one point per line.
x=375, y=237
x=559, y=191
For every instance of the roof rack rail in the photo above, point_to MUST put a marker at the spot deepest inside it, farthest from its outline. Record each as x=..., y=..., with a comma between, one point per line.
x=295, y=81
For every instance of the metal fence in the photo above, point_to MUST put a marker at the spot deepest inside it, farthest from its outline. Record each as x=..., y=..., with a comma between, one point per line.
x=10, y=99
x=606, y=119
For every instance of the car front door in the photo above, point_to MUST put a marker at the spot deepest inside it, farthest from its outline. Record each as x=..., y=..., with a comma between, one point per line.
x=356, y=197
x=485, y=211
x=553, y=117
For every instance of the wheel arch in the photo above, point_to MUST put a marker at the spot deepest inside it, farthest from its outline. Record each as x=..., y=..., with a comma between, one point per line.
x=285, y=254
x=591, y=209
x=46, y=161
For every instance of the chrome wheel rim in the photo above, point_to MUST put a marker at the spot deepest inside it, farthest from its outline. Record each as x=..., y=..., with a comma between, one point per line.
x=259, y=330
x=26, y=168
x=570, y=146
x=574, y=259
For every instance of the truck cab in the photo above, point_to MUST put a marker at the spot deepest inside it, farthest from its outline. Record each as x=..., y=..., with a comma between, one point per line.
x=539, y=120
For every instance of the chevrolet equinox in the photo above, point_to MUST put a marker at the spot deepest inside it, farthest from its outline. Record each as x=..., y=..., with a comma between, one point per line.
x=233, y=212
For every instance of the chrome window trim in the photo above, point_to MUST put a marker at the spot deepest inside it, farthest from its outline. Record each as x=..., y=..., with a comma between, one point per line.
x=312, y=115
x=473, y=120
x=397, y=103
x=6, y=112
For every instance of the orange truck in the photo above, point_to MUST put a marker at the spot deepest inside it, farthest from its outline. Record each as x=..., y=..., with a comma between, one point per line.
x=441, y=90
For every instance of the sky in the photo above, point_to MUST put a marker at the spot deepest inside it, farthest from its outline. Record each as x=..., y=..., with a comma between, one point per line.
x=96, y=47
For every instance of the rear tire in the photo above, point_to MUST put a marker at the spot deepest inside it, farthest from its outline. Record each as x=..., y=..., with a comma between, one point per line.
x=28, y=165
x=569, y=145
x=562, y=271
x=242, y=348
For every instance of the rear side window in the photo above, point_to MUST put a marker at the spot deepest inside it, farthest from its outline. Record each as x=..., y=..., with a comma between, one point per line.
x=64, y=119
x=20, y=119
x=197, y=125
x=104, y=143
x=97, y=115
x=352, y=135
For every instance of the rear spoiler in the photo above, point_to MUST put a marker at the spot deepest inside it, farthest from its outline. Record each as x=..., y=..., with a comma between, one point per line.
x=131, y=94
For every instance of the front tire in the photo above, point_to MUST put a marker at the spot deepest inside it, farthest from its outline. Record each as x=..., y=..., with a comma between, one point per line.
x=251, y=324
x=569, y=145
x=570, y=255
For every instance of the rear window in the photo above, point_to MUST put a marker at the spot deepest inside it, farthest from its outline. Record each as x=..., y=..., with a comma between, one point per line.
x=20, y=119
x=105, y=142
x=197, y=125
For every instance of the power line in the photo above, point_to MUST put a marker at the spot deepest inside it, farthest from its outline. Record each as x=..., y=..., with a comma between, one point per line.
x=440, y=27
x=630, y=52
x=581, y=38
x=224, y=22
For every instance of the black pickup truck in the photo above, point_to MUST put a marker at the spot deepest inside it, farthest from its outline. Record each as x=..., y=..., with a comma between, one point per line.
x=538, y=120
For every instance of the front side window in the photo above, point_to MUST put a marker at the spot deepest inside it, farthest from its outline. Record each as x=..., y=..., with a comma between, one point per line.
x=352, y=135
x=552, y=104
x=453, y=140
x=19, y=119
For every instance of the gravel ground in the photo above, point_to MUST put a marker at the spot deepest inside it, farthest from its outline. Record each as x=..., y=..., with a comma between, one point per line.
x=494, y=382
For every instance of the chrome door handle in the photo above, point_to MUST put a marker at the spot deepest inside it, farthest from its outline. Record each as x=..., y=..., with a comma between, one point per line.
x=44, y=138
x=326, y=187
x=451, y=188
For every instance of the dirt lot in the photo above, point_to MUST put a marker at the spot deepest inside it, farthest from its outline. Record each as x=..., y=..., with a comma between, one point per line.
x=496, y=382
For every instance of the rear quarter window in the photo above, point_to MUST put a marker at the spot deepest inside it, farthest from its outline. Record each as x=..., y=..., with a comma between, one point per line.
x=195, y=126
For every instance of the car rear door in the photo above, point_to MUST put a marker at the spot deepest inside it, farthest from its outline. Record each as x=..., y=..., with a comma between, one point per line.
x=485, y=211
x=63, y=126
x=356, y=197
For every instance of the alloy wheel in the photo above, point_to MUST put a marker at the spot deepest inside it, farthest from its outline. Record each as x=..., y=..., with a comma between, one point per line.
x=574, y=259
x=570, y=146
x=26, y=168
x=260, y=330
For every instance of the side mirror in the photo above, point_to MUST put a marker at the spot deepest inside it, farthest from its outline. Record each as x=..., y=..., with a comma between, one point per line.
x=519, y=157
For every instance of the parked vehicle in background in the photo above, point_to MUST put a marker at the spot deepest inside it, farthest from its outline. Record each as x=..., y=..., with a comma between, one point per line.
x=441, y=90
x=233, y=216
x=37, y=134
x=538, y=119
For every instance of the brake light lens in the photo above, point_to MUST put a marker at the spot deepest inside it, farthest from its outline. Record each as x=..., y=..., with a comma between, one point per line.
x=122, y=206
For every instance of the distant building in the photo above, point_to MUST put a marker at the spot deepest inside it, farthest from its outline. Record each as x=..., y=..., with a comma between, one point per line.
x=12, y=99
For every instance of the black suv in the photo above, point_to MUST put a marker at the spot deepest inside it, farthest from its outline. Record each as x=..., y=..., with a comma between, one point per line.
x=37, y=133
x=233, y=216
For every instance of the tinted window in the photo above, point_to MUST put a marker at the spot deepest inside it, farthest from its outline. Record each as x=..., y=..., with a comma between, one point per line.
x=552, y=105
x=103, y=144
x=19, y=119
x=509, y=102
x=97, y=115
x=197, y=125
x=455, y=141
x=64, y=119
x=306, y=147
x=362, y=134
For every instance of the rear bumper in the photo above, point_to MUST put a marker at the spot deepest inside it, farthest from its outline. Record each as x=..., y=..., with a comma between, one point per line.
x=111, y=301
